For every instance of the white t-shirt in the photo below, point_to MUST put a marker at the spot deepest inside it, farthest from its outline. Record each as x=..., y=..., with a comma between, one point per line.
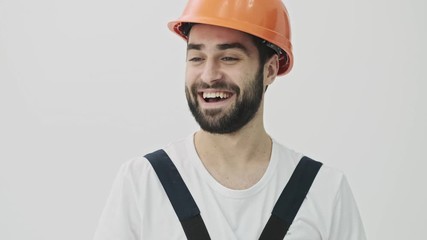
x=138, y=207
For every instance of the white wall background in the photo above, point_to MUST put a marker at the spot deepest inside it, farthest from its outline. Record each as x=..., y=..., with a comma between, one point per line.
x=87, y=84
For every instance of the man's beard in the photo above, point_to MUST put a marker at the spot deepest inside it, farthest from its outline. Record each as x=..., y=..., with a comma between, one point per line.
x=243, y=111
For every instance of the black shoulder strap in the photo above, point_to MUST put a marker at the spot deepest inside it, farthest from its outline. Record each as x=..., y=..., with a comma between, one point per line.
x=182, y=201
x=291, y=199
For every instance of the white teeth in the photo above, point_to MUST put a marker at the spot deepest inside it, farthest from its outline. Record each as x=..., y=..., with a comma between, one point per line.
x=215, y=95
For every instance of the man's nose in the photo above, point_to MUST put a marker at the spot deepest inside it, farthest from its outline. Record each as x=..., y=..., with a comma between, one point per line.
x=211, y=72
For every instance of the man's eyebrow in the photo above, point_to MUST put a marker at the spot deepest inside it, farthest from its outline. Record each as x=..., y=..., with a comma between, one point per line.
x=223, y=46
x=192, y=46
x=237, y=45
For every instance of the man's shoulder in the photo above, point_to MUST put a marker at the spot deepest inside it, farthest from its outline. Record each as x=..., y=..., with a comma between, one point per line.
x=327, y=177
x=137, y=165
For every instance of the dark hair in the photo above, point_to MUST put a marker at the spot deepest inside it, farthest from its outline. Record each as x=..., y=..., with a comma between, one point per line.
x=265, y=52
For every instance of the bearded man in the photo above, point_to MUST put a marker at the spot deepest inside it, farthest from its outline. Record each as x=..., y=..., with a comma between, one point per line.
x=230, y=179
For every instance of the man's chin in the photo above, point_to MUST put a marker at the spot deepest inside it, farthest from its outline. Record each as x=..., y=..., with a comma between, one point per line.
x=211, y=124
x=212, y=113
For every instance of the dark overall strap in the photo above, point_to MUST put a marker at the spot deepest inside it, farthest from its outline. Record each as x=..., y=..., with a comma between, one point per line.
x=291, y=199
x=182, y=201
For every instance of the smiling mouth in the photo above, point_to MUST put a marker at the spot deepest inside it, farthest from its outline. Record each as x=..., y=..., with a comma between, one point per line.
x=215, y=96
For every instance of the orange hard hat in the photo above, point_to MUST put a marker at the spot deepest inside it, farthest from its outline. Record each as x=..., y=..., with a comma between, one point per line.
x=266, y=19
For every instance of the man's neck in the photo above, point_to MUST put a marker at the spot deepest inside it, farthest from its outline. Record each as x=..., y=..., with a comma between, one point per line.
x=237, y=160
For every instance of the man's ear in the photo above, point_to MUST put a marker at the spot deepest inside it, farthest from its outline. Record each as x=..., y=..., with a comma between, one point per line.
x=271, y=67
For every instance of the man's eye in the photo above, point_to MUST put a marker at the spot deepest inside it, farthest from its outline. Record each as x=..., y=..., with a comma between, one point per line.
x=195, y=59
x=229, y=59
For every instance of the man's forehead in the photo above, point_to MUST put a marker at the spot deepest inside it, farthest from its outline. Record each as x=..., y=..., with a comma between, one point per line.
x=204, y=33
